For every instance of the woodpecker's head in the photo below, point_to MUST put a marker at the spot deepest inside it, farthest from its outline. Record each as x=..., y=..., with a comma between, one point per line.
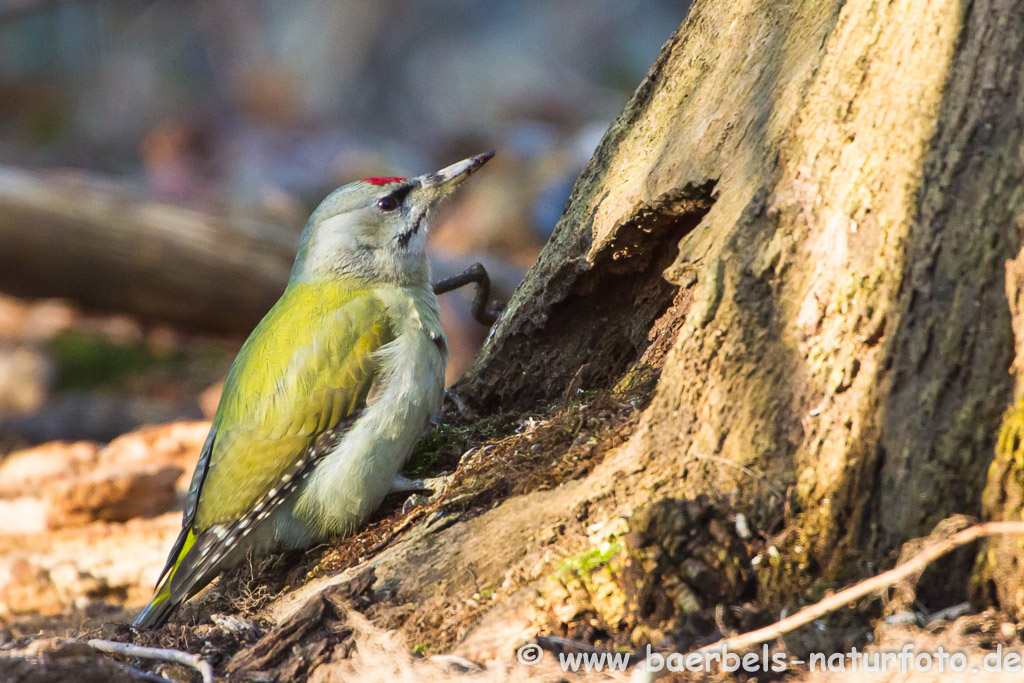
x=375, y=229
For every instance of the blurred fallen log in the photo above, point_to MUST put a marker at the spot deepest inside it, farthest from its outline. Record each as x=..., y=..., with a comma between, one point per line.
x=94, y=417
x=16, y=10
x=106, y=246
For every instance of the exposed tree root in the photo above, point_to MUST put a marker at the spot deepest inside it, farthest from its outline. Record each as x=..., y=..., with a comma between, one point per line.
x=857, y=591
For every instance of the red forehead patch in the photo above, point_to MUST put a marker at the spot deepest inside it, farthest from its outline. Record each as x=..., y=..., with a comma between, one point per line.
x=383, y=181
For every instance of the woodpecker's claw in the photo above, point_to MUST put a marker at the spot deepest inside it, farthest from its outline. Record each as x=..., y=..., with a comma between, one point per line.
x=436, y=485
x=405, y=485
x=414, y=501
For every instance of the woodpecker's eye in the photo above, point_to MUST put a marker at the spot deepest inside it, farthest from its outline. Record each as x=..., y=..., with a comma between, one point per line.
x=388, y=203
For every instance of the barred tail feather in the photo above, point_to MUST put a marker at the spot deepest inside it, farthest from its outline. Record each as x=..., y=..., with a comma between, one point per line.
x=164, y=601
x=158, y=611
x=194, y=562
x=196, y=559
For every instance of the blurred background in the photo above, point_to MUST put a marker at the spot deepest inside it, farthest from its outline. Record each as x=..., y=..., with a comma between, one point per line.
x=159, y=158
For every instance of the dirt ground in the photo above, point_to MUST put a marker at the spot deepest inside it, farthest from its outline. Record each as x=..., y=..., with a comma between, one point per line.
x=387, y=605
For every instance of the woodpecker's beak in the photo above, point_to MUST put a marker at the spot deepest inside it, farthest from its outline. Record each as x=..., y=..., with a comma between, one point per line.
x=426, y=192
x=448, y=178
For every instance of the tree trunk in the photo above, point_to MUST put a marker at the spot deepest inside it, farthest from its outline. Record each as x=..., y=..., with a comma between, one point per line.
x=832, y=191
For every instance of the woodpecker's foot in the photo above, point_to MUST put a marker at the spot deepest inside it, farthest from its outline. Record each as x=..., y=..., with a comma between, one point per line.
x=483, y=311
x=465, y=411
x=436, y=486
x=414, y=501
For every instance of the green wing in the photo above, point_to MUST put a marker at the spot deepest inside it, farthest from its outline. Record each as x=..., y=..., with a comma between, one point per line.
x=306, y=368
x=303, y=373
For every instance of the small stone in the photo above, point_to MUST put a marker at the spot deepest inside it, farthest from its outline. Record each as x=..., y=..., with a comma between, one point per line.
x=24, y=472
x=176, y=443
x=57, y=647
x=26, y=376
x=113, y=495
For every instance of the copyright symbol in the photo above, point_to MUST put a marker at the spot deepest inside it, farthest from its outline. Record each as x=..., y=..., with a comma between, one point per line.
x=529, y=654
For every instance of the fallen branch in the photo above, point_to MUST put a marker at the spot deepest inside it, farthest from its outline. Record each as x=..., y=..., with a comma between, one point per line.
x=177, y=656
x=857, y=591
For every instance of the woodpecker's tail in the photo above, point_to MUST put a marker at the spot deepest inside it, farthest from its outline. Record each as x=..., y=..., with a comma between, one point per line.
x=158, y=611
x=164, y=601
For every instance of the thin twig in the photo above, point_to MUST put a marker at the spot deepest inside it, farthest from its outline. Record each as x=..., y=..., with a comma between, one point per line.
x=177, y=656
x=144, y=675
x=455, y=664
x=475, y=274
x=866, y=587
